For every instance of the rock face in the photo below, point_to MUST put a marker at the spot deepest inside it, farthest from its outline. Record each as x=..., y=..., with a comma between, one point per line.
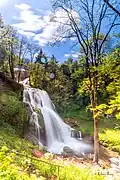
x=21, y=72
x=6, y=82
x=30, y=132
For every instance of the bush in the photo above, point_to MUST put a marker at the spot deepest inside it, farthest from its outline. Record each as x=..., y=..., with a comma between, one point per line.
x=9, y=170
x=111, y=139
x=12, y=111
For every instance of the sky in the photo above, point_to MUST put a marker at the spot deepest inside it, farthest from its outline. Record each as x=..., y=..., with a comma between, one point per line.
x=31, y=18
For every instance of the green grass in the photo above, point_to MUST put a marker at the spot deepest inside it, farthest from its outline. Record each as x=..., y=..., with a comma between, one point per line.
x=78, y=115
x=109, y=129
x=10, y=139
x=84, y=121
x=22, y=167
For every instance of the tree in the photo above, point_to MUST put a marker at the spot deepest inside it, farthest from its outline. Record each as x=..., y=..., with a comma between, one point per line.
x=10, y=41
x=33, y=49
x=53, y=58
x=4, y=31
x=22, y=51
x=111, y=69
x=41, y=58
x=8, y=45
x=84, y=20
x=112, y=6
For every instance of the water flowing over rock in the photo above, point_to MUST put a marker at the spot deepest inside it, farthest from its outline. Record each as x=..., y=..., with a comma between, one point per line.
x=45, y=120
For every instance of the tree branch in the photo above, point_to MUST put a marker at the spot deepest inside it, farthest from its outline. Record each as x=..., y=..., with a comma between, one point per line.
x=112, y=7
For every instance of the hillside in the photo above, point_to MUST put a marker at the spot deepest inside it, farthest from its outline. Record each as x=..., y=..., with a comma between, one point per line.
x=17, y=160
x=17, y=156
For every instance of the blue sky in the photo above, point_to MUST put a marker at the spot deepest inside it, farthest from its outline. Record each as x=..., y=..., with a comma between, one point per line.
x=30, y=18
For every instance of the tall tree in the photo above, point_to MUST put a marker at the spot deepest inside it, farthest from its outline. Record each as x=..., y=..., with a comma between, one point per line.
x=33, y=49
x=113, y=7
x=41, y=58
x=22, y=51
x=85, y=20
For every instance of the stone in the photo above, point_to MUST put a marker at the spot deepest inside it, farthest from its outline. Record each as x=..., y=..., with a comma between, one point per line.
x=30, y=137
x=67, y=151
x=75, y=134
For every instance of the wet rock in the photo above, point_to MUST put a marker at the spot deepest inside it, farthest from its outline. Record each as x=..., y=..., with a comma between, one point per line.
x=75, y=134
x=67, y=152
x=30, y=137
x=67, y=149
x=30, y=130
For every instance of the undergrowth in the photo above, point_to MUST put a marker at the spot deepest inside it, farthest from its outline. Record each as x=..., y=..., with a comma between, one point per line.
x=17, y=163
x=111, y=139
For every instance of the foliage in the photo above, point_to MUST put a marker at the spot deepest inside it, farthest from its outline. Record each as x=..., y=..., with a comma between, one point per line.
x=23, y=166
x=12, y=111
x=58, y=88
x=111, y=139
x=110, y=85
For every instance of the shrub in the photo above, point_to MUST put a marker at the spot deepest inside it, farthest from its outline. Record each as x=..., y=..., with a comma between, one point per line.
x=12, y=111
x=111, y=139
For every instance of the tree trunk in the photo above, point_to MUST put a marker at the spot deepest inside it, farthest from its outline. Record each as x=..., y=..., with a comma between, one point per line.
x=96, y=141
x=93, y=98
x=11, y=61
x=19, y=74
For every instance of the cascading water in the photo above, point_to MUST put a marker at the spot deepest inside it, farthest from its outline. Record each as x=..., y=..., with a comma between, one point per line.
x=58, y=134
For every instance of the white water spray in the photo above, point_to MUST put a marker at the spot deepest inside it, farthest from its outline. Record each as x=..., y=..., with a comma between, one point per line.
x=58, y=134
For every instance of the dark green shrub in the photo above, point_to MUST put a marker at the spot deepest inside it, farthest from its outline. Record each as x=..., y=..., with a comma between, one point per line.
x=12, y=111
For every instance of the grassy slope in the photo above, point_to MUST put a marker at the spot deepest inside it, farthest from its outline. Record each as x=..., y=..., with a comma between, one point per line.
x=19, y=167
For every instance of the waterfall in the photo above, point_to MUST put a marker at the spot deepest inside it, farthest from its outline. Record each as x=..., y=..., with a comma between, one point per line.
x=58, y=133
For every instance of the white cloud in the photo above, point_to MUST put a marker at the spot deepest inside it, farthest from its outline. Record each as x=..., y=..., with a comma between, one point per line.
x=73, y=54
x=3, y=3
x=47, y=34
x=26, y=33
x=67, y=55
x=23, y=6
x=49, y=30
x=73, y=38
x=30, y=21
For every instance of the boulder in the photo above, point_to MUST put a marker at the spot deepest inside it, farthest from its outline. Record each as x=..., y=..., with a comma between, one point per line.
x=67, y=152
x=30, y=137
